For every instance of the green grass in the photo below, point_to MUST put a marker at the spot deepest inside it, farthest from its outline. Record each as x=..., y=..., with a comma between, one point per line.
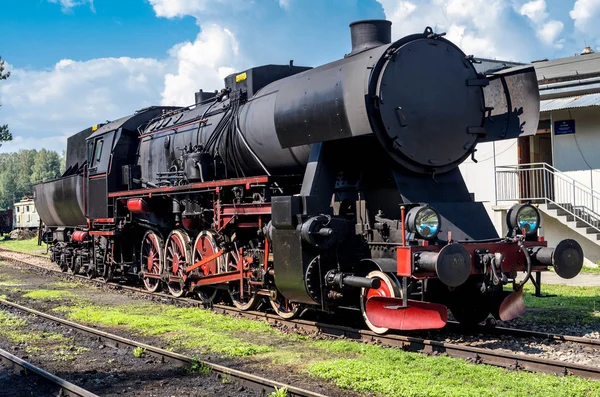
x=15, y=330
x=28, y=246
x=590, y=270
x=571, y=304
x=138, y=351
x=397, y=373
x=283, y=392
x=49, y=295
x=66, y=284
x=183, y=328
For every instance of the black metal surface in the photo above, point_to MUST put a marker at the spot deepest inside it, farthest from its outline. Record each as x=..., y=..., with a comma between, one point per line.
x=368, y=34
x=97, y=199
x=76, y=151
x=60, y=202
x=254, y=79
x=452, y=264
x=133, y=121
x=567, y=258
x=428, y=108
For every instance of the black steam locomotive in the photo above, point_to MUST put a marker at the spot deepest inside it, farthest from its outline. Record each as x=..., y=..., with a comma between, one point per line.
x=329, y=187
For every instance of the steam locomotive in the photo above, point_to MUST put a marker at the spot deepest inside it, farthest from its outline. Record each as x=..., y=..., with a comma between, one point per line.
x=328, y=188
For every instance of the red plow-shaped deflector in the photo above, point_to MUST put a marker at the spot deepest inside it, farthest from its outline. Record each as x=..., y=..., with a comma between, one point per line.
x=386, y=312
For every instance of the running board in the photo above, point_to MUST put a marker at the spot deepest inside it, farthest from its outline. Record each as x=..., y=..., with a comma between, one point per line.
x=386, y=312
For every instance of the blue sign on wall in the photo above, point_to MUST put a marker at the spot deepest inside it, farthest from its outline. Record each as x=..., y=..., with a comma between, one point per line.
x=564, y=127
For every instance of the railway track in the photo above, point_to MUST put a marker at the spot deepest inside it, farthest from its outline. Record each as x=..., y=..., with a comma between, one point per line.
x=253, y=381
x=407, y=343
x=62, y=387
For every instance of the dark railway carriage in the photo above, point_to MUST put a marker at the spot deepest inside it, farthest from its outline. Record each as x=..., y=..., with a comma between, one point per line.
x=6, y=221
x=324, y=188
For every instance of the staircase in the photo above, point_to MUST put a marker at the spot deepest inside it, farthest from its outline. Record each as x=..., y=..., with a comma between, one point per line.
x=558, y=195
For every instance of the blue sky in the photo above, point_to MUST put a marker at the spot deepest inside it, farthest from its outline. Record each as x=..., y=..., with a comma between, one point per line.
x=79, y=62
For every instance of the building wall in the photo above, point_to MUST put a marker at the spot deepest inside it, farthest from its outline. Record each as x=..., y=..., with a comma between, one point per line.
x=577, y=154
x=480, y=176
x=554, y=231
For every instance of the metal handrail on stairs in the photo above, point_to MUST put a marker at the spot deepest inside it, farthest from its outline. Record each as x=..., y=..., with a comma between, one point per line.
x=542, y=183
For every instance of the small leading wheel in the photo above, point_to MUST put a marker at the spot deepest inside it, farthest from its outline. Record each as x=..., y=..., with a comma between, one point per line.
x=151, y=258
x=177, y=257
x=206, y=245
x=283, y=307
x=389, y=288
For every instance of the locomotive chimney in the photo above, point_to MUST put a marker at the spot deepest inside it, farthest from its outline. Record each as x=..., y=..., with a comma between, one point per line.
x=369, y=34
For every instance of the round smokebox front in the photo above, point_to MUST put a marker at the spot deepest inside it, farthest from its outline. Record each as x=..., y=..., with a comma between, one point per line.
x=431, y=105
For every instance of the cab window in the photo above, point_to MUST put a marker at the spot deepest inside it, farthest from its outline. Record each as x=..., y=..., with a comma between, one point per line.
x=98, y=150
x=90, y=155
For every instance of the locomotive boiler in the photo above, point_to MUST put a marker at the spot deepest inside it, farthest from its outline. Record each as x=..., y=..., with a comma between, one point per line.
x=328, y=188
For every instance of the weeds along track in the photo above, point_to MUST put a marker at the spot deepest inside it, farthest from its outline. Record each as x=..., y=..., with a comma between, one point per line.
x=257, y=383
x=407, y=343
x=52, y=384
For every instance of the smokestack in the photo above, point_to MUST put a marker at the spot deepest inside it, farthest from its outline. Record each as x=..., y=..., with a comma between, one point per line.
x=369, y=34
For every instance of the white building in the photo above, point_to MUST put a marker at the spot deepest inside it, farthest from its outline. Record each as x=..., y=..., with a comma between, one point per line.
x=559, y=167
x=25, y=215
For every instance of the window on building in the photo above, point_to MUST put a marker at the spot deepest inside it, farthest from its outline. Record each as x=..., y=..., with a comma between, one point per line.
x=27, y=210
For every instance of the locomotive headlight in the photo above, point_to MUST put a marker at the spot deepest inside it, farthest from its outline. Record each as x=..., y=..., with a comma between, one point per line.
x=424, y=221
x=524, y=217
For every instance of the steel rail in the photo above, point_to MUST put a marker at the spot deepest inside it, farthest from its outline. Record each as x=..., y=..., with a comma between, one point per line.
x=525, y=333
x=66, y=388
x=256, y=382
x=408, y=343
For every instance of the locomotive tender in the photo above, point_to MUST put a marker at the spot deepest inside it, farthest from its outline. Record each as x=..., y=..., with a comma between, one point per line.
x=329, y=187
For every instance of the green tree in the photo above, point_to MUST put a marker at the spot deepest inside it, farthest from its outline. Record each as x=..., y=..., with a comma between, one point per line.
x=8, y=186
x=5, y=135
x=63, y=162
x=46, y=166
x=24, y=161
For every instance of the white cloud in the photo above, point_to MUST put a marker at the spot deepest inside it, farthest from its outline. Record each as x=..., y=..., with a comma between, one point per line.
x=586, y=14
x=473, y=25
x=484, y=28
x=285, y=4
x=550, y=31
x=547, y=32
x=201, y=64
x=68, y=5
x=535, y=10
x=42, y=108
x=197, y=8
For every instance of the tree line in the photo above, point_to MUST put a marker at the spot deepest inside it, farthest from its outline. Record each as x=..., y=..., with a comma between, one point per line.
x=21, y=170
